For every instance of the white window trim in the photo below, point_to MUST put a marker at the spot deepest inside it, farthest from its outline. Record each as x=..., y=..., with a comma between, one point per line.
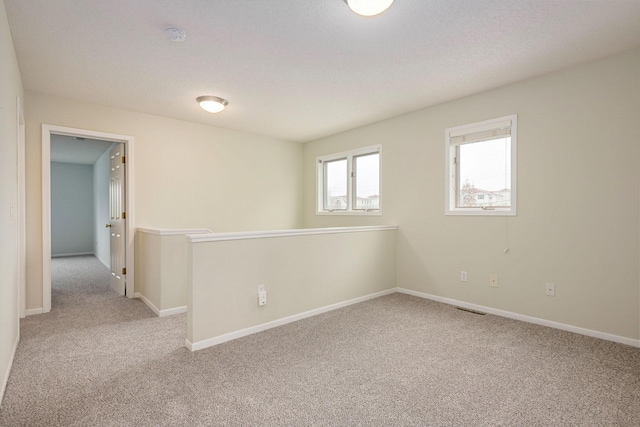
x=450, y=169
x=349, y=155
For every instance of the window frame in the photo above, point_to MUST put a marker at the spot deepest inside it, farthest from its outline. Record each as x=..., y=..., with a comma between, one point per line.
x=451, y=168
x=351, y=181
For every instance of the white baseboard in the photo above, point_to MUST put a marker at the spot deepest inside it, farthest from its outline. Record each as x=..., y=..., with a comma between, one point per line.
x=199, y=345
x=157, y=311
x=148, y=303
x=524, y=318
x=72, y=254
x=172, y=311
x=32, y=311
x=5, y=379
x=104, y=263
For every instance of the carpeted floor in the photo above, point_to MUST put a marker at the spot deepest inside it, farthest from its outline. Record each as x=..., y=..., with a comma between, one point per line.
x=103, y=360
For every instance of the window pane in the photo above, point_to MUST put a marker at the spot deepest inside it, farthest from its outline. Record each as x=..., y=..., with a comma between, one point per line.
x=367, y=181
x=335, y=186
x=484, y=177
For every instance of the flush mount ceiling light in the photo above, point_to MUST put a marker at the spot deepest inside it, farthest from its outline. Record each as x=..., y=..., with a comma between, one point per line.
x=368, y=7
x=212, y=104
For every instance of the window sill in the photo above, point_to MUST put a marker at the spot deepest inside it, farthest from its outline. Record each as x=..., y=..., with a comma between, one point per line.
x=481, y=212
x=349, y=213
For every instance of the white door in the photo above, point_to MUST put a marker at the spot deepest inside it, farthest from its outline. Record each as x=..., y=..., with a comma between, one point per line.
x=117, y=219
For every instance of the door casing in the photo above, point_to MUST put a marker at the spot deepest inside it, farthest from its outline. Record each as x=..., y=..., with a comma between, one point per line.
x=22, y=228
x=47, y=131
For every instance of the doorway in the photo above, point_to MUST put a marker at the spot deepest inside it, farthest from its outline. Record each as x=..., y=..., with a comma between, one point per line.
x=50, y=132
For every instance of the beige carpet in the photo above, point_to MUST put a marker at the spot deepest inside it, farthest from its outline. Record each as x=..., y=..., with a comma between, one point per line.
x=103, y=360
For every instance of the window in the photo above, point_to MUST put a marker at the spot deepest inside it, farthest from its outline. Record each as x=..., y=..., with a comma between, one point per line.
x=481, y=168
x=349, y=183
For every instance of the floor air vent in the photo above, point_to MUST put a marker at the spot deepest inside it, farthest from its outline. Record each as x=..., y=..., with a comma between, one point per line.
x=471, y=311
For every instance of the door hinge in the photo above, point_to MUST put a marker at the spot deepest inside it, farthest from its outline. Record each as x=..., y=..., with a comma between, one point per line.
x=123, y=161
x=124, y=215
x=124, y=271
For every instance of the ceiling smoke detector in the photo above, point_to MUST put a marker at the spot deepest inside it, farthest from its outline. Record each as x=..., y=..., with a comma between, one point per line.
x=175, y=34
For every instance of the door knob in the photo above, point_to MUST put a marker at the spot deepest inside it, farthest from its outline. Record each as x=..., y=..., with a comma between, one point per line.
x=108, y=225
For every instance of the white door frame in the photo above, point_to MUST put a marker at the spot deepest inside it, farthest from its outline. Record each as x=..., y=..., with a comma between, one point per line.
x=22, y=245
x=47, y=130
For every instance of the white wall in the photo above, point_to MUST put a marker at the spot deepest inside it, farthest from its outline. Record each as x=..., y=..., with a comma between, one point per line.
x=10, y=89
x=72, y=226
x=101, y=244
x=578, y=199
x=187, y=175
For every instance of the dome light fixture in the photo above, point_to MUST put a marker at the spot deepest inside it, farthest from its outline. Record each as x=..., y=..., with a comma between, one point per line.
x=212, y=104
x=369, y=7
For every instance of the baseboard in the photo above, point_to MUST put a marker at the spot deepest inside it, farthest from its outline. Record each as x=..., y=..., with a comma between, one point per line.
x=171, y=311
x=210, y=342
x=5, y=379
x=72, y=254
x=160, y=313
x=529, y=319
x=104, y=263
x=148, y=303
x=32, y=311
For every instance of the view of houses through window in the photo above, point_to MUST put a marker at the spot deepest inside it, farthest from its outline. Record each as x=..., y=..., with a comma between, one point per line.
x=480, y=168
x=470, y=196
x=485, y=173
x=351, y=181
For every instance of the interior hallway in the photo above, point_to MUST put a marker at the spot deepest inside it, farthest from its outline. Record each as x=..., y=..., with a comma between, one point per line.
x=66, y=358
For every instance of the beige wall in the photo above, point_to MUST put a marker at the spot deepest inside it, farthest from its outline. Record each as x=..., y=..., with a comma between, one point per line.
x=148, y=247
x=186, y=175
x=162, y=267
x=300, y=273
x=578, y=199
x=175, y=265
x=10, y=89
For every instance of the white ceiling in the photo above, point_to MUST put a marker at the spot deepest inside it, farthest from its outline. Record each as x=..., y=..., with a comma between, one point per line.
x=304, y=69
x=67, y=149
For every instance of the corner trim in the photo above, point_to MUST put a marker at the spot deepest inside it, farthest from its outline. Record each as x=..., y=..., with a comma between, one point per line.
x=5, y=380
x=210, y=342
x=32, y=311
x=147, y=303
x=529, y=319
x=160, y=313
x=171, y=311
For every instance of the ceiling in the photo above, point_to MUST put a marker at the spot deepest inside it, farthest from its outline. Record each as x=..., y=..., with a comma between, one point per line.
x=68, y=149
x=304, y=69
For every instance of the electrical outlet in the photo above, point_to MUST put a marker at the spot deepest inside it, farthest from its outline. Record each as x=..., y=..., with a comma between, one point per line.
x=550, y=289
x=493, y=280
x=262, y=295
x=463, y=276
